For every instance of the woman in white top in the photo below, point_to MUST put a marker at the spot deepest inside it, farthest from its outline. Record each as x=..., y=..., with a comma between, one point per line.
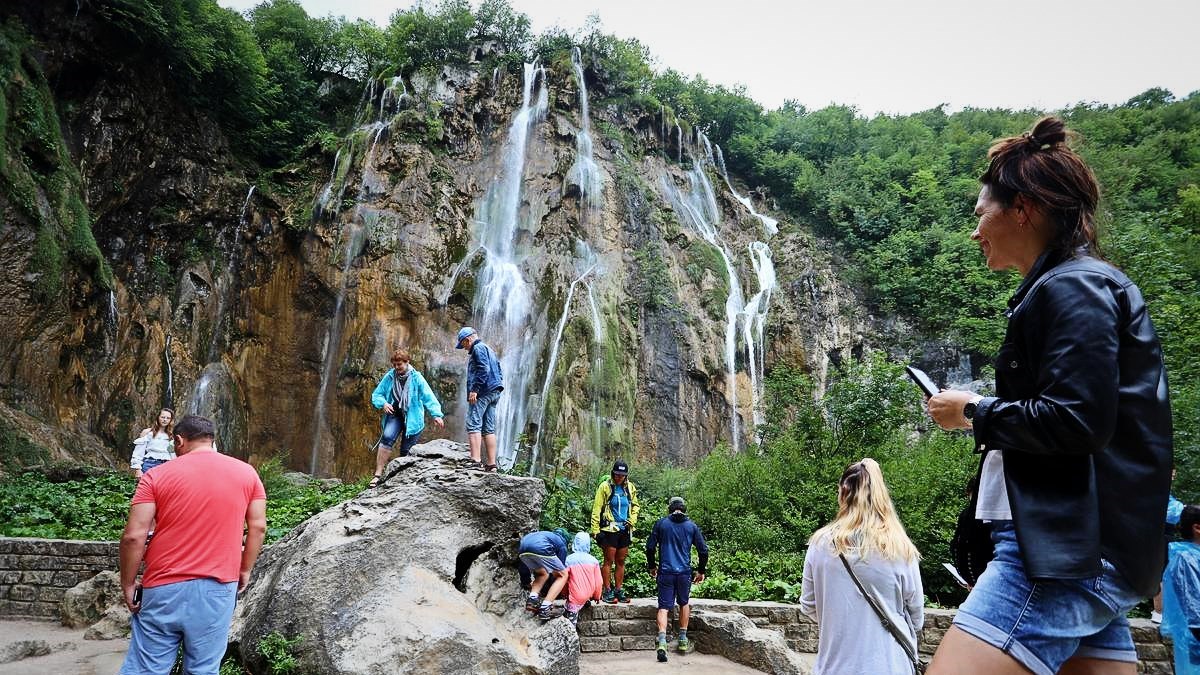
x=867, y=531
x=155, y=445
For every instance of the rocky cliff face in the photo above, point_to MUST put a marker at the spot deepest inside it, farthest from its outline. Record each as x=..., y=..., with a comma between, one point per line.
x=634, y=297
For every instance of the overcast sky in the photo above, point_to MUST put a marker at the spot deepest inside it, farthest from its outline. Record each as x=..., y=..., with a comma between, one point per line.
x=895, y=56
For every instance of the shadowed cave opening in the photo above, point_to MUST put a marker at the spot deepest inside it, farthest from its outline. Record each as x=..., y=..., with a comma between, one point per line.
x=462, y=563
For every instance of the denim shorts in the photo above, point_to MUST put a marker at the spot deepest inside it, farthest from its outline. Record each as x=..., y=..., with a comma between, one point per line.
x=1042, y=624
x=151, y=462
x=481, y=415
x=196, y=613
x=673, y=588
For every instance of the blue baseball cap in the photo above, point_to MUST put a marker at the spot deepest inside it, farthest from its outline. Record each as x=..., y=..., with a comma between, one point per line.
x=465, y=331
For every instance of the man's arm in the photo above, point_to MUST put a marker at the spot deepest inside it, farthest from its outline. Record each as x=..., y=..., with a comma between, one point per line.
x=133, y=547
x=256, y=530
x=701, y=551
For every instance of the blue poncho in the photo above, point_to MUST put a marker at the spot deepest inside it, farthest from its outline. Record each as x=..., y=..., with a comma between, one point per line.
x=1181, y=604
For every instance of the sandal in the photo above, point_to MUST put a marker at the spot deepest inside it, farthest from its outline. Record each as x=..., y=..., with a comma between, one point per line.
x=490, y=468
x=472, y=465
x=374, y=481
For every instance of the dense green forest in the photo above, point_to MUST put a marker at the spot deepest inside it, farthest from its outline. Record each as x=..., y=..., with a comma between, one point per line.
x=891, y=194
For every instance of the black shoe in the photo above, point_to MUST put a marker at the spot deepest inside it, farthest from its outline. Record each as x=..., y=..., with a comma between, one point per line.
x=573, y=617
x=532, y=603
x=662, y=653
x=546, y=612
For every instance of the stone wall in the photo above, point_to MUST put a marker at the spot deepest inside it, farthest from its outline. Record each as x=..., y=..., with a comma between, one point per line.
x=34, y=573
x=631, y=627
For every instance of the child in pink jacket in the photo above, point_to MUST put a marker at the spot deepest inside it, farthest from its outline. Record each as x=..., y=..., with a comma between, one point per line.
x=583, y=577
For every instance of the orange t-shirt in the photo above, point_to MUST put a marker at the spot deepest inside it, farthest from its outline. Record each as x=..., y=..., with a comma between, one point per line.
x=200, y=510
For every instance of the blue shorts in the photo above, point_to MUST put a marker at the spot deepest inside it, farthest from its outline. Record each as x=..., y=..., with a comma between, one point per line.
x=195, y=612
x=392, y=428
x=151, y=462
x=481, y=415
x=537, y=561
x=673, y=588
x=1042, y=624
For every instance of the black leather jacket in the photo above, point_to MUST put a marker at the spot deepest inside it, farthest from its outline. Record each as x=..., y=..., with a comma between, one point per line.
x=1084, y=421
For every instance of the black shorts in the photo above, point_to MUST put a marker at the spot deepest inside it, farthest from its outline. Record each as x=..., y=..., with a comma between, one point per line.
x=619, y=539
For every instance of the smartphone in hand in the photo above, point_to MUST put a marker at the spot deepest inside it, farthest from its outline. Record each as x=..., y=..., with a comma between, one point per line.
x=923, y=381
x=137, y=594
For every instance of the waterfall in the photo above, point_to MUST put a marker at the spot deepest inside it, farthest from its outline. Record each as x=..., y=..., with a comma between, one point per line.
x=110, y=324
x=770, y=225
x=754, y=319
x=228, y=280
x=584, y=172
x=743, y=318
x=370, y=127
x=169, y=398
x=588, y=263
x=503, y=306
x=354, y=239
x=960, y=376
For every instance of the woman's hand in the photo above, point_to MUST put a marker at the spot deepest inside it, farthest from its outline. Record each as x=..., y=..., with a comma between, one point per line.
x=388, y=409
x=946, y=408
x=437, y=422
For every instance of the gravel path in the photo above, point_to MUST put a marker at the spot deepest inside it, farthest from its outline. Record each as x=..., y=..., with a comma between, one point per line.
x=69, y=653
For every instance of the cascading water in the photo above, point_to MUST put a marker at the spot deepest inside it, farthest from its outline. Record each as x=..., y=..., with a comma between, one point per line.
x=228, y=280
x=169, y=395
x=588, y=263
x=770, y=225
x=110, y=324
x=354, y=240
x=584, y=171
x=503, y=303
x=747, y=318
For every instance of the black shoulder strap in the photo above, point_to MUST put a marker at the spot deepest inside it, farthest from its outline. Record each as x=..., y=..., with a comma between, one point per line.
x=888, y=625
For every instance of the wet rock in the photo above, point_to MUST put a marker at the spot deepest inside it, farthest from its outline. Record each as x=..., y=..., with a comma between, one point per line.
x=88, y=601
x=416, y=575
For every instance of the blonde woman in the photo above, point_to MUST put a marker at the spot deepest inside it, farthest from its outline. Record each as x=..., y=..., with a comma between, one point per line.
x=154, y=445
x=870, y=536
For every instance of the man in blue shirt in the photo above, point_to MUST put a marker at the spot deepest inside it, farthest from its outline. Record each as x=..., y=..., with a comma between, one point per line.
x=485, y=382
x=673, y=537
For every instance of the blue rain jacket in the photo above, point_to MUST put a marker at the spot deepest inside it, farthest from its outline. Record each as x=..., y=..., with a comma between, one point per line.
x=1181, y=604
x=675, y=536
x=483, y=370
x=420, y=399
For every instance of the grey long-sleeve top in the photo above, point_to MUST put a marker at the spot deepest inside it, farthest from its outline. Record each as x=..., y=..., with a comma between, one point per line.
x=852, y=639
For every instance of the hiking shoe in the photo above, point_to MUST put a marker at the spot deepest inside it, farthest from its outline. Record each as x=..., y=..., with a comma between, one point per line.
x=684, y=644
x=532, y=603
x=609, y=596
x=621, y=597
x=546, y=612
x=573, y=617
x=662, y=651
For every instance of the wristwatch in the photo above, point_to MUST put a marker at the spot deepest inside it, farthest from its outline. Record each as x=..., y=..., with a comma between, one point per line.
x=970, y=407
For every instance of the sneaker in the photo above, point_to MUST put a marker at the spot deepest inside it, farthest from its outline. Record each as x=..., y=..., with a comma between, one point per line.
x=621, y=597
x=573, y=617
x=532, y=603
x=609, y=596
x=546, y=612
x=1156, y=617
x=662, y=651
x=684, y=644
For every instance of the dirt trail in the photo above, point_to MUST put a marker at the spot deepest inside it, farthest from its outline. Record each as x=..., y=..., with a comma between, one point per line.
x=69, y=653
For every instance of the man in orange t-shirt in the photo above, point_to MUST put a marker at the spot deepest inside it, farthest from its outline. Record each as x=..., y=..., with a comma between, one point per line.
x=195, y=564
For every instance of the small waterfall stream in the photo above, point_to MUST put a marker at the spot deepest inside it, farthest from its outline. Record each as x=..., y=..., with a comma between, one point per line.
x=584, y=171
x=227, y=283
x=770, y=225
x=503, y=306
x=169, y=394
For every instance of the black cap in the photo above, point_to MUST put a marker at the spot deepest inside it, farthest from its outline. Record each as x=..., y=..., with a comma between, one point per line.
x=676, y=504
x=621, y=468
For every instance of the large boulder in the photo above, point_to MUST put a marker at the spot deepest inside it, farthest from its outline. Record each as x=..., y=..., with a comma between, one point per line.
x=735, y=637
x=87, y=601
x=415, y=576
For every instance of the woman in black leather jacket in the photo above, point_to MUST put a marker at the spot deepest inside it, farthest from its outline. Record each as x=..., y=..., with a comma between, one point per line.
x=1077, y=441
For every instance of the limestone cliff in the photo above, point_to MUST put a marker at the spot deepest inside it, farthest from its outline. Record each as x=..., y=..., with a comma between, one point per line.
x=605, y=253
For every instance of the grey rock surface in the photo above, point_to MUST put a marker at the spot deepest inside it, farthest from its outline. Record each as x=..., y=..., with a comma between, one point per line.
x=113, y=625
x=415, y=576
x=736, y=638
x=87, y=602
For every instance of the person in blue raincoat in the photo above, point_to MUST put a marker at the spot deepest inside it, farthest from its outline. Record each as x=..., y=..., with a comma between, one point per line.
x=404, y=396
x=1181, y=594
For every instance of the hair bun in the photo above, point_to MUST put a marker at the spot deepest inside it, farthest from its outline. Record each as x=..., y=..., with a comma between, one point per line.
x=1048, y=132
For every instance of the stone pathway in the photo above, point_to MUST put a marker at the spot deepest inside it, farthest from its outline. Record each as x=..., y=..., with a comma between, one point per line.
x=644, y=663
x=69, y=653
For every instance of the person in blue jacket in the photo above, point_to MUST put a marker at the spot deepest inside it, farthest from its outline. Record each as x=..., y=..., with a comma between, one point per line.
x=404, y=396
x=485, y=383
x=544, y=554
x=1181, y=594
x=673, y=538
